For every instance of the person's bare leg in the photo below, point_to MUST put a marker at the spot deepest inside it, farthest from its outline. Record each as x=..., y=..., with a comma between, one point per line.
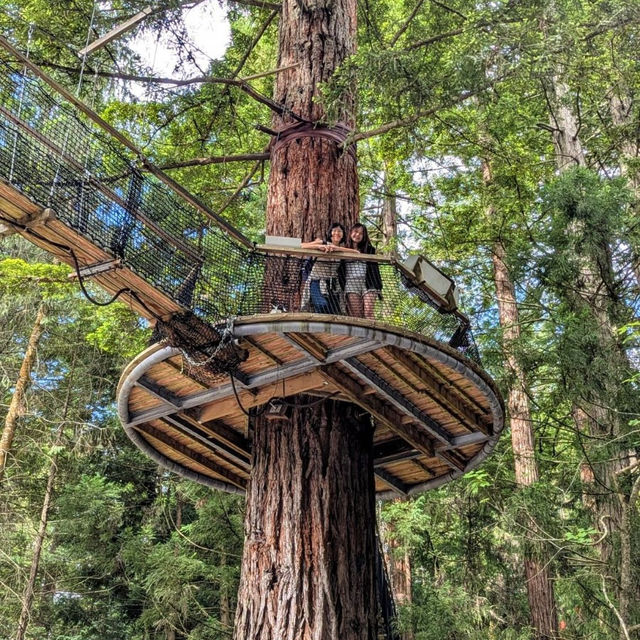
x=354, y=305
x=369, y=303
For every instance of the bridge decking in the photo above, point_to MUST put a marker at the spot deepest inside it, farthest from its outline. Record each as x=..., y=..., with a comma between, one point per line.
x=45, y=231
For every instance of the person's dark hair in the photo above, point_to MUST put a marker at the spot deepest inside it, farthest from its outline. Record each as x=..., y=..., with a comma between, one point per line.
x=337, y=225
x=364, y=246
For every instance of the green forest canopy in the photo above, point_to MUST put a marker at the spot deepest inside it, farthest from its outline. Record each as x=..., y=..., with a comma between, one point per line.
x=503, y=136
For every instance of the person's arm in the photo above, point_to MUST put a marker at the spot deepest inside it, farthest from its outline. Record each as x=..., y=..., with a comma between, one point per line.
x=342, y=249
x=313, y=244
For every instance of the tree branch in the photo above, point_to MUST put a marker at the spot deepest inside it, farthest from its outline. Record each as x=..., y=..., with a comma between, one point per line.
x=240, y=83
x=442, y=5
x=242, y=185
x=433, y=39
x=254, y=42
x=406, y=24
x=259, y=3
x=402, y=122
x=203, y=162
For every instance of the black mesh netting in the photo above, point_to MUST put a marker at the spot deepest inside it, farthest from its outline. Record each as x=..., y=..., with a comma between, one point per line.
x=55, y=155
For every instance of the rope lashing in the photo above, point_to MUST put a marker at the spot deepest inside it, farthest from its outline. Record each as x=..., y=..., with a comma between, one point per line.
x=338, y=133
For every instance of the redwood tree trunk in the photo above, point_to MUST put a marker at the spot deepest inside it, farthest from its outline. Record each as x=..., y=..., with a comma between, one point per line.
x=308, y=563
x=312, y=181
x=307, y=569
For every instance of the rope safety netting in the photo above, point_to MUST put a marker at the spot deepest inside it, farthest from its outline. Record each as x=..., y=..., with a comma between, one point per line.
x=61, y=159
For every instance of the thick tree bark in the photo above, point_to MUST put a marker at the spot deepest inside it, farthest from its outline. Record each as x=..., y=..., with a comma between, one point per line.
x=312, y=182
x=308, y=563
x=307, y=569
x=16, y=407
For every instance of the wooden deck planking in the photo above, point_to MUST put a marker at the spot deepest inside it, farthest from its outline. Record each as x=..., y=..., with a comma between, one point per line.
x=165, y=376
x=447, y=398
x=198, y=452
x=141, y=400
x=183, y=460
x=414, y=453
x=391, y=368
x=277, y=347
x=451, y=379
x=419, y=399
x=18, y=207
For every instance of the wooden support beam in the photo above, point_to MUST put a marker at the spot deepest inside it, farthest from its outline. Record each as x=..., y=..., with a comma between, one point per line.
x=280, y=389
x=222, y=432
x=162, y=438
x=423, y=467
x=392, y=451
x=453, y=459
x=269, y=377
x=381, y=411
x=383, y=388
x=469, y=438
x=397, y=485
x=391, y=370
x=308, y=345
x=116, y=32
x=243, y=378
x=97, y=268
x=152, y=387
x=443, y=394
x=200, y=435
x=253, y=343
x=276, y=375
x=351, y=350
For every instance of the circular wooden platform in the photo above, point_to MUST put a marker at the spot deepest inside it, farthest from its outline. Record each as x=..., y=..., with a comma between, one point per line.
x=437, y=414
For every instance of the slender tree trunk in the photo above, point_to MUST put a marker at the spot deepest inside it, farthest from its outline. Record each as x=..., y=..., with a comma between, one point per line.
x=29, y=591
x=307, y=569
x=628, y=589
x=566, y=128
x=171, y=632
x=16, y=407
x=225, y=604
x=622, y=116
x=389, y=218
x=538, y=577
x=598, y=414
x=398, y=563
x=539, y=584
